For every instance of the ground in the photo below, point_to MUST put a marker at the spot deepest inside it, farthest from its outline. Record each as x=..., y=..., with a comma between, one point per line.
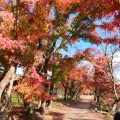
x=79, y=110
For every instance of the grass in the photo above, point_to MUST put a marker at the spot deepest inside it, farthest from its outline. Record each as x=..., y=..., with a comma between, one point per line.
x=102, y=107
x=58, y=103
x=16, y=100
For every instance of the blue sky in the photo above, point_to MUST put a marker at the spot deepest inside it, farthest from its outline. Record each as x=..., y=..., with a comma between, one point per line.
x=72, y=49
x=19, y=71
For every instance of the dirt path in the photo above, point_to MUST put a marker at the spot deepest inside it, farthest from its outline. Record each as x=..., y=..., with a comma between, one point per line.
x=83, y=110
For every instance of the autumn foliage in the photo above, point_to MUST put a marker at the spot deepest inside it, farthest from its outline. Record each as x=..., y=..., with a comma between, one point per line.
x=33, y=33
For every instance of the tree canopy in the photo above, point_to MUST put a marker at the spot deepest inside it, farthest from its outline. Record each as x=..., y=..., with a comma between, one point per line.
x=33, y=32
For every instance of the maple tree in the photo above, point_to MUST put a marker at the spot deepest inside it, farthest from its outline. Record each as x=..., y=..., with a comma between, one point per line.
x=105, y=67
x=80, y=78
x=33, y=31
x=101, y=81
x=104, y=82
x=107, y=73
x=110, y=49
x=75, y=75
x=68, y=68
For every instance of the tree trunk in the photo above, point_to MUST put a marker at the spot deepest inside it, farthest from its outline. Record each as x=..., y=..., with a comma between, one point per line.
x=6, y=79
x=4, y=107
x=6, y=99
x=42, y=107
x=98, y=99
x=111, y=111
x=10, y=86
x=50, y=104
x=95, y=94
x=51, y=93
x=31, y=117
x=66, y=90
x=9, y=94
x=78, y=94
x=30, y=112
x=39, y=103
x=74, y=96
x=43, y=104
x=4, y=113
x=26, y=105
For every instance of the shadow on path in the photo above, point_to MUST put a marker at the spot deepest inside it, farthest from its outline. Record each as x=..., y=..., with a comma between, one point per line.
x=82, y=105
x=56, y=115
